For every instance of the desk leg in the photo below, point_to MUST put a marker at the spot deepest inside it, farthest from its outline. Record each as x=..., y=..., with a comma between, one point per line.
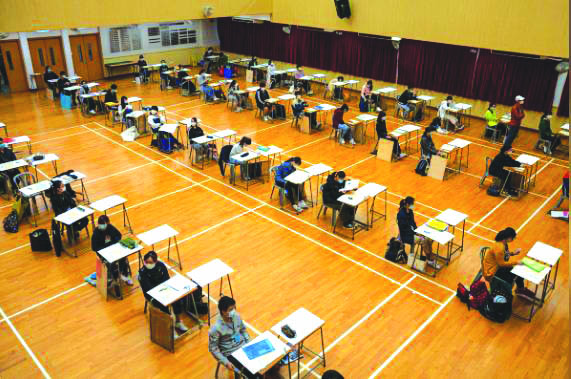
x=126, y=221
x=322, y=347
x=177, y=253
x=29, y=147
x=463, y=229
x=54, y=163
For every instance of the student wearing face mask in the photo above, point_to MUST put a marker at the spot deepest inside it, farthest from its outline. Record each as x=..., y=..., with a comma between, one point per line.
x=50, y=75
x=153, y=273
x=383, y=133
x=294, y=193
x=155, y=122
x=227, y=335
x=111, y=94
x=196, y=131
x=407, y=227
x=332, y=191
x=62, y=198
x=84, y=90
x=444, y=114
x=104, y=236
x=546, y=134
x=427, y=147
x=493, y=122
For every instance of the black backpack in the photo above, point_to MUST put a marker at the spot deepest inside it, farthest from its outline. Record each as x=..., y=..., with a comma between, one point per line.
x=421, y=167
x=11, y=222
x=493, y=191
x=498, y=305
x=40, y=240
x=395, y=251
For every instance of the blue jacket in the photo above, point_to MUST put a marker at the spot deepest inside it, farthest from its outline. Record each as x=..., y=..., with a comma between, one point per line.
x=282, y=172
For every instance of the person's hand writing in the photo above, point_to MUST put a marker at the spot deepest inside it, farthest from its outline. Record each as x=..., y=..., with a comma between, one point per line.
x=229, y=366
x=517, y=251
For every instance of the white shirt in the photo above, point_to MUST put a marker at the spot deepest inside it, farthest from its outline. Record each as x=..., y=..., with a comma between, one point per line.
x=236, y=149
x=443, y=108
x=152, y=123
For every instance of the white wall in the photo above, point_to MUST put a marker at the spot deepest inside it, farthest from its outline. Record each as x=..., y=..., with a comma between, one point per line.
x=206, y=35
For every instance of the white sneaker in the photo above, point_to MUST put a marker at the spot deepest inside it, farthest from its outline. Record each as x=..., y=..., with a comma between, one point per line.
x=353, y=141
x=402, y=155
x=265, y=118
x=297, y=208
x=215, y=98
x=180, y=326
x=303, y=204
x=239, y=109
x=341, y=142
x=92, y=111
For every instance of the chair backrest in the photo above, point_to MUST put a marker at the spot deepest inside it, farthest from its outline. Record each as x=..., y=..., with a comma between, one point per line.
x=483, y=251
x=225, y=153
x=488, y=162
x=24, y=179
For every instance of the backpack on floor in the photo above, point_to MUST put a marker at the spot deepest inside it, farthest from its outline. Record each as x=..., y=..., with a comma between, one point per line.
x=40, y=240
x=280, y=111
x=475, y=297
x=11, y=222
x=493, y=191
x=421, y=167
x=165, y=143
x=498, y=305
x=395, y=251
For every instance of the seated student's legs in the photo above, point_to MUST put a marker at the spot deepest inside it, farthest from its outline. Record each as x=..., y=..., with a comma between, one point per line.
x=243, y=369
x=504, y=177
x=344, y=132
x=347, y=214
x=555, y=141
x=293, y=193
x=124, y=268
x=505, y=273
x=363, y=105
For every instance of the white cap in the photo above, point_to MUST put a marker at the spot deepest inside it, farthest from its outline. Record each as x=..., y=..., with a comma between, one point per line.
x=519, y=98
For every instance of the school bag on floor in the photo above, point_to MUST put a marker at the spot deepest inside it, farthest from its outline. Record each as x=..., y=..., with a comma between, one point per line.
x=421, y=167
x=395, y=252
x=40, y=240
x=498, y=305
x=475, y=297
x=11, y=222
x=165, y=143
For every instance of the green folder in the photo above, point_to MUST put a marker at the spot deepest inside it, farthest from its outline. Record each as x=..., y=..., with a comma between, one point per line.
x=263, y=148
x=535, y=266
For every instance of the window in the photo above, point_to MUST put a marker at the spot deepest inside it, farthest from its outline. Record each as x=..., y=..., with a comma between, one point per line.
x=41, y=56
x=80, y=53
x=175, y=34
x=9, y=60
x=124, y=39
x=90, y=52
x=52, y=56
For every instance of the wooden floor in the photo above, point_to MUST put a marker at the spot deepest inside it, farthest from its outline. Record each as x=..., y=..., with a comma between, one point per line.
x=381, y=319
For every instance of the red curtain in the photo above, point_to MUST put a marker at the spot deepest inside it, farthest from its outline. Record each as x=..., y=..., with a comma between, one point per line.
x=563, y=109
x=501, y=77
x=450, y=69
x=439, y=67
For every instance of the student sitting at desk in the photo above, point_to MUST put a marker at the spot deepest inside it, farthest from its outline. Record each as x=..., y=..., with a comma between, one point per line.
x=545, y=133
x=84, y=90
x=238, y=149
x=196, y=131
x=445, y=116
x=180, y=75
x=124, y=109
x=383, y=133
x=298, y=105
x=62, y=81
x=333, y=189
x=227, y=335
x=499, y=261
x=299, y=73
x=208, y=91
x=143, y=72
x=427, y=147
x=50, y=75
x=295, y=197
x=167, y=79
x=503, y=159
x=252, y=62
x=407, y=227
x=62, y=198
x=104, y=236
x=7, y=155
x=270, y=73
x=337, y=91
x=366, y=96
x=239, y=100
x=151, y=275
x=492, y=120
x=564, y=193
x=403, y=100
x=338, y=124
x=207, y=62
x=111, y=94
x=261, y=96
x=155, y=121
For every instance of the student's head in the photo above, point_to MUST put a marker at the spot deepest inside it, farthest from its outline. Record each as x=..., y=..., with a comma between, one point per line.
x=298, y=67
x=123, y=101
x=141, y=56
x=298, y=94
x=428, y=131
x=295, y=161
x=227, y=307
x=492, y=106
x=62, y=73
x=506, y=235
x=436, y=121
x=340, y=78
x=340, y=176
x=210, y=48
x=113, y=87
x=506, y=149
x=407, y=202
x=48, y=69
x=332, y=374
x=344, y=107
x=163, y=61
x=194, y=121
x=154, y=109
x=411, y=88
x=245, y=141
x=58, y=186
x=102, y=222
x=546, y=116
x=269, y=61
x=83, y=82
x=519, y=99
x=370, y=83
x=233, y=84
x=449, y=99
x=150, y=260
x=263, y=84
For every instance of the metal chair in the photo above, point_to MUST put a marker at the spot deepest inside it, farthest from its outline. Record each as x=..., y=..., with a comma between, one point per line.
x=281, y=190
x=493, y=130
x=25, y=179
x=324, y=208
x=487, y=173
x=544, y=144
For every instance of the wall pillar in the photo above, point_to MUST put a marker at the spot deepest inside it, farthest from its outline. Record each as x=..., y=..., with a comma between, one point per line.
x=27, y=58
x=67, y=52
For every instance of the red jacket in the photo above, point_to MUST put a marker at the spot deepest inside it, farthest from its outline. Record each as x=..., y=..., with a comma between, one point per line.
x=517, y=114
x=337, y=118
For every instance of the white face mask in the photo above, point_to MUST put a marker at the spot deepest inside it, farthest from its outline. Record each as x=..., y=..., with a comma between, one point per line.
x=232, y=313
x=102, y=226
x=411, y=207
x=150, y=266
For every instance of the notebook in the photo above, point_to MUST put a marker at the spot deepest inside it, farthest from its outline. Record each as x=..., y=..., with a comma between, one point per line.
x=535, y=266
x=258, y=349
x=263, y=148
x=437, y=225
x=560, y=214
x=351, y=185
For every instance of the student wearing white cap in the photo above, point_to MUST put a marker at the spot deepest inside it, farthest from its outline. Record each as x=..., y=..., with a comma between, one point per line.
x=517, y=115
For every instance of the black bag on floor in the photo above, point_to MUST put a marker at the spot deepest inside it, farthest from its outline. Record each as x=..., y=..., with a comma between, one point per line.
x=493, y=191
x=395, y=251
x=165, y=143
x=56, y=238
x=421, y=167
x=280, y=111
x=254, y=170
x=11, y=222
x=40, y=240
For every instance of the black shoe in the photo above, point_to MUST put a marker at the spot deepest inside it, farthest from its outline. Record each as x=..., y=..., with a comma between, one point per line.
x=374, y=152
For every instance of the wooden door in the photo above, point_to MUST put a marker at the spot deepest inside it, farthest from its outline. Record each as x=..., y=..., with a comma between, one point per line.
x=46, y=52
x=79, y=57
x=94, y=60
x=14, y=66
